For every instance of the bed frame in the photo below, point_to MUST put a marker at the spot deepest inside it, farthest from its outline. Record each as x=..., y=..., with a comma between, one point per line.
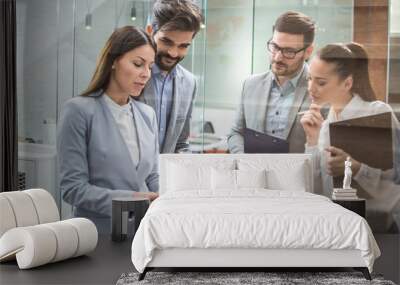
x=241, y=259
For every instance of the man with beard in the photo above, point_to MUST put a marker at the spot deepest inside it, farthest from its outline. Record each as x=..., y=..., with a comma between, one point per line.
x=172, y=89
x=270, y=101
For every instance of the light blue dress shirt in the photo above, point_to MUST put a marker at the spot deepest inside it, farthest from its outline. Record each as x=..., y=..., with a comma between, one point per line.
x=279, y=105
x=164, y=90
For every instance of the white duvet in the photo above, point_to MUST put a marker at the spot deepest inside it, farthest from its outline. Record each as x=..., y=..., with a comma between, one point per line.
x=253, y=218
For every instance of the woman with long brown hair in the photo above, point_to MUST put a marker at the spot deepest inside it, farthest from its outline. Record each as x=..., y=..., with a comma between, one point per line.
x=107, y=141
x=339, y=77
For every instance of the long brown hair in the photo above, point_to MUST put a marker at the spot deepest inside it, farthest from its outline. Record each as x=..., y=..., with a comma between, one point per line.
x=350, y=59
x=121, y=41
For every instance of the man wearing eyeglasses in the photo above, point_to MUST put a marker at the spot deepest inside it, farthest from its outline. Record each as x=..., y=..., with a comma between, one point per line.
x=270, y=101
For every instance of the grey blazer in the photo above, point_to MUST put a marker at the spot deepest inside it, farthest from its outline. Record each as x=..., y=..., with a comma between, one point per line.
x=94, y=162
x=253, y=107
x=178, y=129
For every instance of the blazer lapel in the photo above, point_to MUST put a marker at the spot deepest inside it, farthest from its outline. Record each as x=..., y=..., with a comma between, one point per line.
x=299, y=97
x=149, y=95
x=120, y=140
x=138, y=126
x=176, y=99
x=261, y=109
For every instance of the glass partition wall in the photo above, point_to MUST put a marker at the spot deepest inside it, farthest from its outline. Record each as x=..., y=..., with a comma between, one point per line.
x=38, y=85
x=57, y=45
x=236, y=38
x=58, y=42
x=394, y=55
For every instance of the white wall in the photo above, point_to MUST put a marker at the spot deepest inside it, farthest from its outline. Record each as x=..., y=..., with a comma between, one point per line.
x=395, y=16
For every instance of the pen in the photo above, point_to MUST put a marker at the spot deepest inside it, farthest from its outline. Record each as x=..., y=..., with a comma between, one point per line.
x=301, y=113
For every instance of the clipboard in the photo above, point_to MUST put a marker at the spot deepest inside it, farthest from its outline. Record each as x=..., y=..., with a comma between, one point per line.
x=367, y=139
x=257, y=142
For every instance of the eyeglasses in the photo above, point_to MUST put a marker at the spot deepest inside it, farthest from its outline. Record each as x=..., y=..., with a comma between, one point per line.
x=288, y=53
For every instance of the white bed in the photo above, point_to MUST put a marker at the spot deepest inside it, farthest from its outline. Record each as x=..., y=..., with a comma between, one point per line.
x=247, y=211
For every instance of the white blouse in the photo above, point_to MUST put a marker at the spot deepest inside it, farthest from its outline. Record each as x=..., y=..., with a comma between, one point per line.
x=126, y=123
x=379, y=184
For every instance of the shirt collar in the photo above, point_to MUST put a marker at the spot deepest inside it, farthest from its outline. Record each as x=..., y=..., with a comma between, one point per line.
x=155, y=70
x=114, y=106
x=293, y=81
x=348, y=110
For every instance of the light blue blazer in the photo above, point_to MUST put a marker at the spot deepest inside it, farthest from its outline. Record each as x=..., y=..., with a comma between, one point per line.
x=94, y=162
x=178, y=129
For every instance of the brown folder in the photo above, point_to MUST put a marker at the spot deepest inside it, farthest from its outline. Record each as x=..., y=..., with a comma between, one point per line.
x=367, y=139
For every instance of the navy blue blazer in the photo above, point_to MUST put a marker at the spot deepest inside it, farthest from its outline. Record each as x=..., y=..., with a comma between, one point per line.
x=94, y=162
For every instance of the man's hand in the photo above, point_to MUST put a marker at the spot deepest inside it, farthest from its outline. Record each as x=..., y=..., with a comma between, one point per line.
x=335, y=162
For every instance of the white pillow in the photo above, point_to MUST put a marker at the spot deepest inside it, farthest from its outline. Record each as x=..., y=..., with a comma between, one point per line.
x=223, y=179
x=251, y=179
x=187, y=175
x=236, y=179
x=284, y=174
x=293, y=180
x=183, y=177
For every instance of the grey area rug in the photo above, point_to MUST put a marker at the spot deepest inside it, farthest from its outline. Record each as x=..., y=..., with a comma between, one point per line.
x=229, y=278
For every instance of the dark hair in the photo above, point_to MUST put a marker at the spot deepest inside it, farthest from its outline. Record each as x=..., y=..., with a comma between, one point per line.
x=121, y=41
x=296, y=23
x=350, y=60
x=181, y=15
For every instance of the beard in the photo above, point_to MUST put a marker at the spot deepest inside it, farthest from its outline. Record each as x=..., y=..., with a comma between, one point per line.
x=164, y=66
x=280, y=68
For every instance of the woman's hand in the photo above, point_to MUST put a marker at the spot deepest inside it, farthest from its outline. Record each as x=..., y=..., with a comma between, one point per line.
x=335, y=162
x=148, y=195
x=312, y=122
